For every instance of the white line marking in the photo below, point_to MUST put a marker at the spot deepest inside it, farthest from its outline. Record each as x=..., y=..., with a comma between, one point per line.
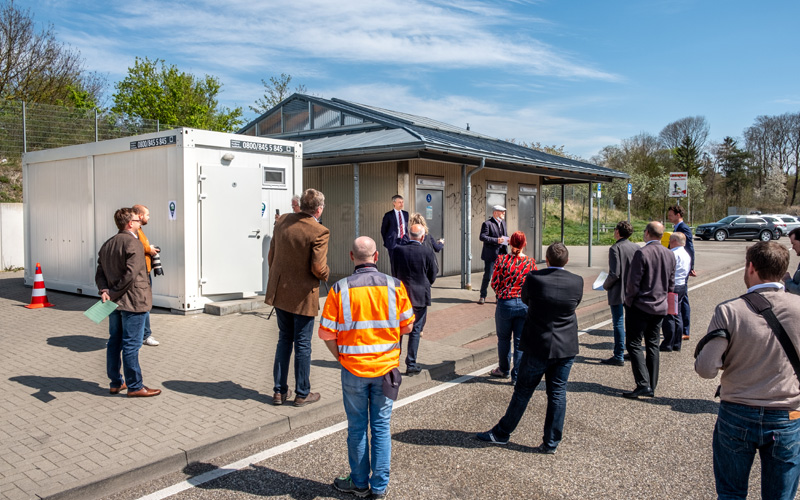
x=308, y=438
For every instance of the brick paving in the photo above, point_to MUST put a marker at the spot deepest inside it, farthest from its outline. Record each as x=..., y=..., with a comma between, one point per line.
x=60, y=429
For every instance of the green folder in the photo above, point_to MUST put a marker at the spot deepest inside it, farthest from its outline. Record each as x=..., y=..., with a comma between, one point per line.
x=100, y=311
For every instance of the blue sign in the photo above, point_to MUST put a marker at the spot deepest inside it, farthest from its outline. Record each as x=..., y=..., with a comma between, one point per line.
x=630, y=188
x=428, y=198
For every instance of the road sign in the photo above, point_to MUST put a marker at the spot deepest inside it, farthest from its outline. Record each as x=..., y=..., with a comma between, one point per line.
x=630, y=190
x=677, y=184
x=599, y=190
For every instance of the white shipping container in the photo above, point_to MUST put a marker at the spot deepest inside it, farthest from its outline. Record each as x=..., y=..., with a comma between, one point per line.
x=212, y=198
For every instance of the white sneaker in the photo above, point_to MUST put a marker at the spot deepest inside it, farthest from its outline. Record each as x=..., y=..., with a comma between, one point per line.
x=150, y=341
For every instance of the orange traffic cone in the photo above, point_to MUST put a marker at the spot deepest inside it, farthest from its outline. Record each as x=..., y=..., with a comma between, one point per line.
x=39, y=298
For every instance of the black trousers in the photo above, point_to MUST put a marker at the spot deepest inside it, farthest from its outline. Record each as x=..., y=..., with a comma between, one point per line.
x=639, y=326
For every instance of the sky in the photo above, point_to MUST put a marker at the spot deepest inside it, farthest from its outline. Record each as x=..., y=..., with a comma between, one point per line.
x=579, y=74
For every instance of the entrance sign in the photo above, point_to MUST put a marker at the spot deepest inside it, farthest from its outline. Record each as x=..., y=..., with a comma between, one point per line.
x=677, y=184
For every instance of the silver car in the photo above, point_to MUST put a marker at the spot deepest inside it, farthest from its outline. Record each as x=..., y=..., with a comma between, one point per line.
x=791, y=221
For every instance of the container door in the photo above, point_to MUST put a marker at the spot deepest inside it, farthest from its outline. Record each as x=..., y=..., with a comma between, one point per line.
x=527, y=217
x=230, y=230
x=429, y=198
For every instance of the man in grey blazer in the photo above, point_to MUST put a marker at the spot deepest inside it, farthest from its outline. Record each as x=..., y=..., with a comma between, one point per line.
x=651, y=277
x=620, y=256
x=122, y=277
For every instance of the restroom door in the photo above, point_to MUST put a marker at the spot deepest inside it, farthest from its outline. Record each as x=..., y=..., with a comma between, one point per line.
x=429, y=201
x=527, y=217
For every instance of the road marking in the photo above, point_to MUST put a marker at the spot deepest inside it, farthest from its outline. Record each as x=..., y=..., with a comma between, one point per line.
x=309, y=438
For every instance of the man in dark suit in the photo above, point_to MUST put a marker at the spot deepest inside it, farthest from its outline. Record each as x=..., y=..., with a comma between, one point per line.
x=416, y=267
x=549, y=345
x=675, y=216
x=651, y=277
x=619, y=260
x=298, y=260
x=122, y=277
x=494, y=236
x=394, y=228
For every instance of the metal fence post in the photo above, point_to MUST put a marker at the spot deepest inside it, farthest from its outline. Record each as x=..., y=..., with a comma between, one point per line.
x=95, y=125
x=24, y=129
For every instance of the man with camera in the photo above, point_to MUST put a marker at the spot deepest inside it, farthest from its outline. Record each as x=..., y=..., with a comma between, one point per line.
x=150, y=253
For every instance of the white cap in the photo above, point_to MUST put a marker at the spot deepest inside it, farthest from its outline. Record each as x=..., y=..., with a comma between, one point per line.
x=498, y=208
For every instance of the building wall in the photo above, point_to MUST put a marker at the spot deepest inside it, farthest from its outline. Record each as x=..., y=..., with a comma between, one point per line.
x=12, y=236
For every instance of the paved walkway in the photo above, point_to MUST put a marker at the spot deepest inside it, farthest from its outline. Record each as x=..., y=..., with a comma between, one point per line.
x=63, y=436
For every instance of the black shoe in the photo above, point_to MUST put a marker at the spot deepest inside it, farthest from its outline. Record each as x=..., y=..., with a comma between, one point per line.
x=544, y=450
x=346, y=485
x=413, y=371
x=489, y=437
x=626, y=357
x=639, y=391
x=665, y=349
x=613, y=362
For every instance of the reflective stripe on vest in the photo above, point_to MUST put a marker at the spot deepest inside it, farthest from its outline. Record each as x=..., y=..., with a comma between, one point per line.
x=366, y=349
x=349, y=324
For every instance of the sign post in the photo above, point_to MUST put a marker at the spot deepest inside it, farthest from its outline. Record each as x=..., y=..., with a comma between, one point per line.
x=599, y=195
x=630, y=192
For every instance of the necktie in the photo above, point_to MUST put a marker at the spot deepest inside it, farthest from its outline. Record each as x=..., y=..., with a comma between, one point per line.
x=400, y=221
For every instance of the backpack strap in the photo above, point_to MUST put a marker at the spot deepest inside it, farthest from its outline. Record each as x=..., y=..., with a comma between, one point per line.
x=763, y=307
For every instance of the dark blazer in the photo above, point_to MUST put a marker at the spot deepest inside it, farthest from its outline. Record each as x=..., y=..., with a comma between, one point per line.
x=551, y=326
x=415, y=265
x=122, y=270
x=298, y=260
x=620, y=256
x=432, y=243
x=651, y=276
x=490, y=232
x=687, y=231
x=389, y=229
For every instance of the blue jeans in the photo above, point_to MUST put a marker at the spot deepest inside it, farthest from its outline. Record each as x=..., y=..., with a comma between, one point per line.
x=618, y=320
x=365, y=405
x=509, y=319
x=294, y=331
x=743, y=430
x=420, y=317
x=531, y=370
x=488, y=270
x=125, y=330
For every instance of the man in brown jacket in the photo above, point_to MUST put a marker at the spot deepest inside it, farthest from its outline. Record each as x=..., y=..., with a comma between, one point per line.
x=122, y=277
x=298, y=256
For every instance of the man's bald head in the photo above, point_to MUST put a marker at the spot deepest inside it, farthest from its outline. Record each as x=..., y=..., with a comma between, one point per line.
x=364, y=250
x=417, y=232
x=655, y=229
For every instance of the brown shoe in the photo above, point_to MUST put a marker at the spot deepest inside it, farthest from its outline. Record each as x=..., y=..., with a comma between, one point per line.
x=278, y=398
x=312, y=397
x=685, y=337
x=115, y=390
x=144, y=392
x=481, y=301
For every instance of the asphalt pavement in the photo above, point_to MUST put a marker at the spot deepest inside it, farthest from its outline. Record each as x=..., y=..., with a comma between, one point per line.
x=63, y=436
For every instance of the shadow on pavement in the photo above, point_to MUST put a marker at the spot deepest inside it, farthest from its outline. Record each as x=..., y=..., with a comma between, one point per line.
x=450, y=300
x=78, y=343
x=604, y=346
x=445, y=437
x=263, y=481
x=325, y=363
x=217, y=390
x=47, y=385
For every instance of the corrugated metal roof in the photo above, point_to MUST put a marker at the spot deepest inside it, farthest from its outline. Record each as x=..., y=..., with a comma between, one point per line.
x=388, y=130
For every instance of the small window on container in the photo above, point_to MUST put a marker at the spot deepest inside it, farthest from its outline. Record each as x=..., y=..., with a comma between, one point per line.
x=274, y=177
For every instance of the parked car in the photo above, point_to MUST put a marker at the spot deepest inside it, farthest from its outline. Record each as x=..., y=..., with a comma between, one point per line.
x=791, y=221
x=780, y=226
x=748, y=227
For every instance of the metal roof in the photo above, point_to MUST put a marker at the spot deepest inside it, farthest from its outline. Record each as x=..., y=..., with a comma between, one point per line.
x=390, y=135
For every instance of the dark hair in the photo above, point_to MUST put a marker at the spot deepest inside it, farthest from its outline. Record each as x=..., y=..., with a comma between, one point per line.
x=653, y=229
x=677, y=210
x=624, y=228
x=122, y=217
x=795, y=233
x=396, y=197
x=311, y=200
x=517, y=243
x=769, y=258
x=557, y=254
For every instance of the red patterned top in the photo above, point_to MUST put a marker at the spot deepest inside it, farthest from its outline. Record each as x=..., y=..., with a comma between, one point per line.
x=509, y=274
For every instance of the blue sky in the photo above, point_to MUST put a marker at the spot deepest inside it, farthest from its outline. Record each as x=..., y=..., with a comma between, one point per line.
x=583, y=74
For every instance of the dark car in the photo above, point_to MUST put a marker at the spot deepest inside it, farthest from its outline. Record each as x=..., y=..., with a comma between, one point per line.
x=748, y=227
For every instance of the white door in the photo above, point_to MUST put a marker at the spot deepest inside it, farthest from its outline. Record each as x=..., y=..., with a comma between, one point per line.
x=230, y=230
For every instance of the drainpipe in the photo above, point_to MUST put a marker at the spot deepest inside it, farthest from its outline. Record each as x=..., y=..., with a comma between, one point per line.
x=466, y=221
x=356, y=198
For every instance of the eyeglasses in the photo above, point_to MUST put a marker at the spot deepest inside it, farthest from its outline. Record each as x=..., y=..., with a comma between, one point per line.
x=136, y=220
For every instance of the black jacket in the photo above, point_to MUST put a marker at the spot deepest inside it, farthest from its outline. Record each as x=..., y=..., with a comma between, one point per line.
x=551, y=327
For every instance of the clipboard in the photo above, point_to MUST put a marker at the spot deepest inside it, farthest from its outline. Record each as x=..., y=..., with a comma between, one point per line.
x=100, y=310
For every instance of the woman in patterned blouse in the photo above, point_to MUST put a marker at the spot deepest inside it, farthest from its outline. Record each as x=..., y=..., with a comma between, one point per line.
x=509, y=317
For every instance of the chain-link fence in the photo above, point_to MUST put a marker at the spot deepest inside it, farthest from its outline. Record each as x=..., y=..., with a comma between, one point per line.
x=32, y=127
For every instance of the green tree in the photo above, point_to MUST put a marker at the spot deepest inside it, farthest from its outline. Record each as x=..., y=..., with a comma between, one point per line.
x=687, y=157
x=734, y=165
x=276, y=90
x=157, y=91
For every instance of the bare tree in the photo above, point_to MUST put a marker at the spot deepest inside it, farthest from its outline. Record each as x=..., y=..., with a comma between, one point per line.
x=694, y=127
x=276, y=90
x=768, y=140
x=34, y=66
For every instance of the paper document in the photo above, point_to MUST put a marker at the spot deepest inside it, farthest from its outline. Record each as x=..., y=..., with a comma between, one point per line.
x=100, y=310
x=598, y=283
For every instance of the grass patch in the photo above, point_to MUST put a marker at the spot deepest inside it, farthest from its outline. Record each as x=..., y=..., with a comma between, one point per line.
x=576, y=225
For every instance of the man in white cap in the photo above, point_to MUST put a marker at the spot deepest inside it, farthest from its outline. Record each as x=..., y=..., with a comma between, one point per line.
x=495, y=238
